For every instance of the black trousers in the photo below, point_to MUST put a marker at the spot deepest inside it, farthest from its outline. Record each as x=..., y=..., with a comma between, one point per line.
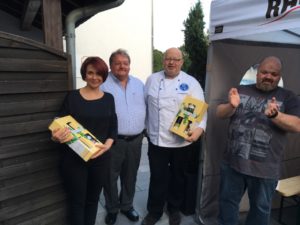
x=167, y=167
x=83, y=183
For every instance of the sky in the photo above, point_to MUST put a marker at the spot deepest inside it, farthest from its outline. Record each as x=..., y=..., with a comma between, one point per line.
x=129, y=27
x=168, y=21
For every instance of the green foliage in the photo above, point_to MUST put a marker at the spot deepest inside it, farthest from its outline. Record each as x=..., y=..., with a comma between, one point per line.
x=187, y=62
x=157, y=60
x=195, y=46
x=196, y=43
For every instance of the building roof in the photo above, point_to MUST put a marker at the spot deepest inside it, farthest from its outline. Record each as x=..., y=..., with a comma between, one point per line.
x=30, y=12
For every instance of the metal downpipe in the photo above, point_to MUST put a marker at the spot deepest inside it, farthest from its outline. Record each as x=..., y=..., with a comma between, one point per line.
x=71, y=19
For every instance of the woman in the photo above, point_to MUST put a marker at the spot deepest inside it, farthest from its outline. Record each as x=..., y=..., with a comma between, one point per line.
x=95, y=111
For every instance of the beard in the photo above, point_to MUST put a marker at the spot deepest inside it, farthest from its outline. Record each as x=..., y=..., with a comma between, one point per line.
x=266, y=85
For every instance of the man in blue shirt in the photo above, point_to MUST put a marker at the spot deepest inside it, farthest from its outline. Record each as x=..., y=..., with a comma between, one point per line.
x=128, y=93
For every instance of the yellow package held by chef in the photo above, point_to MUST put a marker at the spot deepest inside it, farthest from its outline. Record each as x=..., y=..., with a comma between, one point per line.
x=190, y=114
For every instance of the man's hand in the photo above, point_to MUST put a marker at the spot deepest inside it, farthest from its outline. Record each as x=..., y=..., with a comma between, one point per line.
x=272, y=108
x=226, y=110
x=234, y=97
x=194, y=134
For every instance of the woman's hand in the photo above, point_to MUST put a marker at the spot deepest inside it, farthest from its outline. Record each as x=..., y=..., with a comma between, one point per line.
x=102, y=148
x=62, y=135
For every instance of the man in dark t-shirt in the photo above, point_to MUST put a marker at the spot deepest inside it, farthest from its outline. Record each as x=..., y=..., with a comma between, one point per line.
x=260, y=116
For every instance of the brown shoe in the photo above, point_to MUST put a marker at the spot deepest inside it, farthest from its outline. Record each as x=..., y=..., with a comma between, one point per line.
x=174, y=218
x=150, y=220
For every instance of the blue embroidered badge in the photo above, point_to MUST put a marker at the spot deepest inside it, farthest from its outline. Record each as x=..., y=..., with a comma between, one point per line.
x=184, y=87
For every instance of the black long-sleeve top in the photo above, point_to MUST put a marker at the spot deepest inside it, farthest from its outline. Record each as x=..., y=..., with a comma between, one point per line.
x=98, y=116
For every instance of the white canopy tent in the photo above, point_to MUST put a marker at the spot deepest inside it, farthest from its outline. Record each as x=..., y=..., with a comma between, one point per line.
x=254, y=19
x=242, y=33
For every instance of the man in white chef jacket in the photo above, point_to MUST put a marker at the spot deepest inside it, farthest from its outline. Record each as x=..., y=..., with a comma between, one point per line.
x=168, y=152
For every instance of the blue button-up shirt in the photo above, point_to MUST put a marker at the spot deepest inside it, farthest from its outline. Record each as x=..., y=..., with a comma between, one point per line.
x=130, y=104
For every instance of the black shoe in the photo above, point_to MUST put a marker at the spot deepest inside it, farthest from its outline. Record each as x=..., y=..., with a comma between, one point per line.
x=131, y=214
x=150, y=219
x=174, y=218
x=111, y=218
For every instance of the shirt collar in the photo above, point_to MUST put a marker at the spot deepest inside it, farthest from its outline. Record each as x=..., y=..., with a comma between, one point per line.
x=177, y=77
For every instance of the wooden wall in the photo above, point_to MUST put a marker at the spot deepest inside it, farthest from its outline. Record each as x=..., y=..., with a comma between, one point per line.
x=33, y=82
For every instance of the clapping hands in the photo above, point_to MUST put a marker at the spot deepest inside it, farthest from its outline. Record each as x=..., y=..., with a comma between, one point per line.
x=234, y=97
x=272, y=108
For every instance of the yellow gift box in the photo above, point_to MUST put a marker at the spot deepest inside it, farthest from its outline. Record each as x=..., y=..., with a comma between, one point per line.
x=83, y=142
x=189, y=115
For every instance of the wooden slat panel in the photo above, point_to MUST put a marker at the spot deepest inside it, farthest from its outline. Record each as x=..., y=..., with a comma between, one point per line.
x=20, y=148
x=9, y=43
x=29, y=158
x=26, y=107
x=28, y=184
x=32, y=65
x=30, y=178
x=52, y=215
x=29, y=167
x=30, y=202
x=59, y=96
x=33, y=83
x=27, y=124
x=21, y=42
x=26, y=144
x=26, y=118
x=10, y=87
x=16, y=104
x=9, y=130
x=25, y=53
x=15, y=76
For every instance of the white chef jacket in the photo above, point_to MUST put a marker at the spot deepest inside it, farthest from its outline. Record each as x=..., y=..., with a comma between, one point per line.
x=163, y=98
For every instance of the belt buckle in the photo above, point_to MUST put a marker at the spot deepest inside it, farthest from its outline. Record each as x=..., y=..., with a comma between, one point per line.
x=126, y=138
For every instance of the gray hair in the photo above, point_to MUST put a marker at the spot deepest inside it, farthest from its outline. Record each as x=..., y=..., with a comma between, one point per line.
x=120, y=51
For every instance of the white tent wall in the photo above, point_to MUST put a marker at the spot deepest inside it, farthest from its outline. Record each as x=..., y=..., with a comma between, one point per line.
x=229, y=57
x=227, y=63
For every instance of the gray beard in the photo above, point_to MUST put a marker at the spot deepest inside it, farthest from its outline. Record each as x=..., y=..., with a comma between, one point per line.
x=265, y=87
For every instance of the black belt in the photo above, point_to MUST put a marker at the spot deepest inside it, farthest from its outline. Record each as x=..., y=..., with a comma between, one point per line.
x=128, y=137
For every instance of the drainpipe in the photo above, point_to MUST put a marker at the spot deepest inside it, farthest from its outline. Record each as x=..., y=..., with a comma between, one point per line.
x=82, y=13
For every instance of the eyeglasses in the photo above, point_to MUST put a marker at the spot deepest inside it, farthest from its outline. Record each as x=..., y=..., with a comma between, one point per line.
x=172, y=59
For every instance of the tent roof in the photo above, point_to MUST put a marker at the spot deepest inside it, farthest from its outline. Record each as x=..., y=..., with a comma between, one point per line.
x=255, y=20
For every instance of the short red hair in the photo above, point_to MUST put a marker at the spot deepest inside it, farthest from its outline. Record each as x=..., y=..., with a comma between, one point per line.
x=98, y=63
